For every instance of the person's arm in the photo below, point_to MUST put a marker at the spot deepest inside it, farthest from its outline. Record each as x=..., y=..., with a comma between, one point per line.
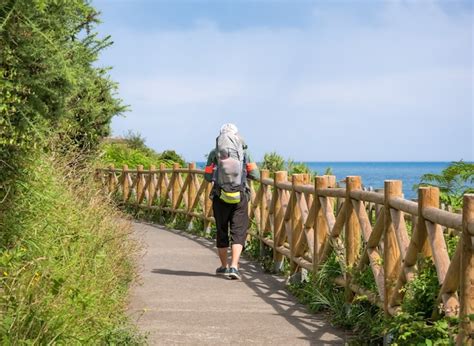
x=251, y=168
x=210, y=165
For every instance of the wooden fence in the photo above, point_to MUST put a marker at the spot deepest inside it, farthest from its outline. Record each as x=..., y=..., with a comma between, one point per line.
x=305, y=221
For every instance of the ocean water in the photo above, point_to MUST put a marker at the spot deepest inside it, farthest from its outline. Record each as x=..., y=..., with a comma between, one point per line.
x=373, y=174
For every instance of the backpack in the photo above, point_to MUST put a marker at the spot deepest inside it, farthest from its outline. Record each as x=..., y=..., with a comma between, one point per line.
x=230, y=174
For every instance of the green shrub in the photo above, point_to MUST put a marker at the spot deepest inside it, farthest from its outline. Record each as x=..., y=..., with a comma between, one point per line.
x=273, y=162
x=49, y=76
x=132, y=151
x=172, y=156
x=298, y=168
x=321, y=294
x=50, y=83
x=414, y=329
x=120, y=154
x=421, y=292
x=135, y=140
x=454, y=181
x=415, y=324
x=66, y=261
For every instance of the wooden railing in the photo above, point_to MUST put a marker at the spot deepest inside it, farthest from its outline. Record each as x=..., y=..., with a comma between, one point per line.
x=305, y=221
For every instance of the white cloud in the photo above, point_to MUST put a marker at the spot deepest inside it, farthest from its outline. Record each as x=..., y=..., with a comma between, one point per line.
x=181, y=90
x=287, y=88
x=404, y=91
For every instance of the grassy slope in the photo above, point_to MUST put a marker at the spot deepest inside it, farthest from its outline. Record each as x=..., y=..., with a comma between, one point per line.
x=66, y=261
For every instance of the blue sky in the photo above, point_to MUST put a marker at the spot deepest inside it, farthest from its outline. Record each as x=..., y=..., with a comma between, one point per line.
x=312, y=80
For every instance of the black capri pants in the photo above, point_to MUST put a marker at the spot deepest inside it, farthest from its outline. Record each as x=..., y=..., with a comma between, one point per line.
x=233, y=215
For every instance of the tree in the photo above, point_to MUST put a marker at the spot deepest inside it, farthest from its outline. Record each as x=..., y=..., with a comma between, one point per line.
x=50, y=84
x=453, y=182
x=173, y=156
x=50, y=88
x=135, y=140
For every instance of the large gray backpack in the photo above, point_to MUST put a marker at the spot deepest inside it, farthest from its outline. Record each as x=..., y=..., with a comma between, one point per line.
x=230, y=164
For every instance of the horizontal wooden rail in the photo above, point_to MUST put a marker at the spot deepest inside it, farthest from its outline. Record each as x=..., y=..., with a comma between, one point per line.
x=307, y=222
x=268, y=182
x=367, y=196
x=404, y=205
x=443, y=217
x=284, y=185
x=304, y=188
x=332, y=192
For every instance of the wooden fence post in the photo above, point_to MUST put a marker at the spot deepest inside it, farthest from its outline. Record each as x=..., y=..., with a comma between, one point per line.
x=296, y=248
x=264, y=174
x=465, y=336
x=352, y=233
x=151, y=185
x=429, y=197
x=175, y=188
x=191, y=194
x=140, y=184
x=378, y=207
x=278, y=216
x=321, y=228
x=125, y=183
x=391, y=253
x=207, y=207
x=112, y=179
x=422, y=239
x=162, y=183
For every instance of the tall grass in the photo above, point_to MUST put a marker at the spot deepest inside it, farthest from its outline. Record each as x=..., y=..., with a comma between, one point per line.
x=66, y=261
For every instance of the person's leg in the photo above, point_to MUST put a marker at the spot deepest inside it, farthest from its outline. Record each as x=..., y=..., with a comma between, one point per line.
x=222, y=252
x=221, y=215
x=236, y=252
x=239, y=223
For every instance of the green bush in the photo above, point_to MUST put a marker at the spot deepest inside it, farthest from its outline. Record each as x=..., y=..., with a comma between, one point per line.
x=273, y=162
x=414, y=329
x=298, y=168
x=132, y=151
x=421, y=293
x=50, y=85
x=120, y=154
x=65, y=259
x=49, y=79
x=65, y=263
x=415, y=324
x=135, y=140
x=172, y=156
x=321, y=294
x=454, y=181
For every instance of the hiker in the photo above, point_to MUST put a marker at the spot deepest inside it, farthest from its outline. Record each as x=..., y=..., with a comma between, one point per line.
x=228, y=166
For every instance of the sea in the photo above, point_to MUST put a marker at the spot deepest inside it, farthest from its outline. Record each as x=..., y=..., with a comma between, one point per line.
x=373, y=174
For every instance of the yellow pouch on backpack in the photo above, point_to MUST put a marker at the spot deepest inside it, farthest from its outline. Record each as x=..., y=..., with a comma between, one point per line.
x=230, y=197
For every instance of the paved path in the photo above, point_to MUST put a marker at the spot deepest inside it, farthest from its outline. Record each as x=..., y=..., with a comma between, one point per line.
x=181, y=301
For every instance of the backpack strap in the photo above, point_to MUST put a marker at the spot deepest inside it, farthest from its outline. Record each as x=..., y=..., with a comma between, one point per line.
x=244, y=171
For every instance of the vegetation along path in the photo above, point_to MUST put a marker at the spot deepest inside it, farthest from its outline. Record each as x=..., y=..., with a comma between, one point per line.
x=180, y=300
